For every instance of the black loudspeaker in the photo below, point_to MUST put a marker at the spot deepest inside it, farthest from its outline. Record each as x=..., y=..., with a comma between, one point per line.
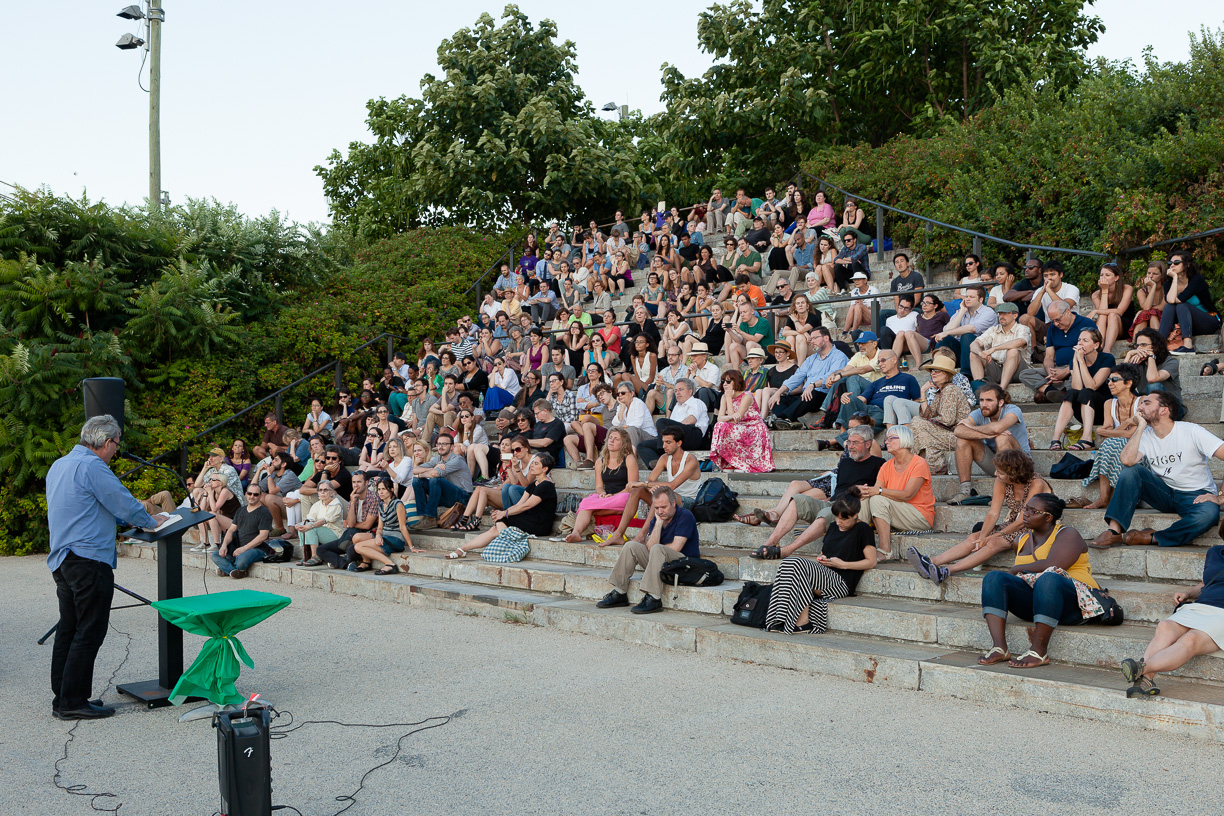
x=244, y=761
x=104, y=395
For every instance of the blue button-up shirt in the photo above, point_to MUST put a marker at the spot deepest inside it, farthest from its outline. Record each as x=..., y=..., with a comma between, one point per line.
x=815, y=368
x=85, y=500
x=803, y=257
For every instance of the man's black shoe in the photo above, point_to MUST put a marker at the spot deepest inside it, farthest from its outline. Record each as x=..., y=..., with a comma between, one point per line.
x=96, y=705
x=649, y=603
x=87, y=713
x=613, y=598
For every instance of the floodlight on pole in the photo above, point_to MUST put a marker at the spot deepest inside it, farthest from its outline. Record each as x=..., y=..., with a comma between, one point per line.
x=131, y=13
x=153, y=16
x=129, y=42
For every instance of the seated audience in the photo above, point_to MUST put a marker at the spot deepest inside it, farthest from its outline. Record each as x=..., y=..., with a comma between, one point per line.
x=273, y=438
x=1188, y=304
x=1119, y=423
x=741, y=441
x=1015, y=483
x=970, y=322
x=1061, y=336
x=361, y=517
x=689, y=416
x=632, y=415
x=994, y=426
x=1088, y=390
x=676, y=469
x=324, y=522
x=807, y=389
x=1161, y=370
x=1051, y=584
x=901, y=498
x=238, y=459
x=246, y=541
x=513, y=470
x=930, y=323
x=799, y=603
x=616, y=468
x=1113, y=305
x=389, y=536
x=1176, y=479
x=532, y=515
x=934, y=427
x=1196, y=627
x=670, y=533
x=1002, y=351
x=443, y=480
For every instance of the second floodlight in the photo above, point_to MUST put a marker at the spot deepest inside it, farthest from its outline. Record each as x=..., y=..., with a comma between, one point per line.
x=131, y=13
x=129, y=41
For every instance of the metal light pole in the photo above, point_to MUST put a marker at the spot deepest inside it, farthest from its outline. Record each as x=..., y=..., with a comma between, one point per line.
x=157, y=16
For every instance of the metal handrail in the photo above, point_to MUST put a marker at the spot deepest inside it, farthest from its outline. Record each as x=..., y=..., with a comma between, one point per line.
x=183, y=446
x=981, y=235
x=1193, y=237
x=508, y=253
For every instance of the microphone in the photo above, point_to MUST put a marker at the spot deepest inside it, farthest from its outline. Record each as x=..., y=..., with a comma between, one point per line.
x=133, y=457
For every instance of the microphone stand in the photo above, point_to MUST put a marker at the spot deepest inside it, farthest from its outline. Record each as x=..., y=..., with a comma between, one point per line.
x=134, y=458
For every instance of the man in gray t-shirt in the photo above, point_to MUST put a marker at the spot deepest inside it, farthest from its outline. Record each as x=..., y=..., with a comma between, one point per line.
x=416, y=411
x=444, y=480
x=993, y=427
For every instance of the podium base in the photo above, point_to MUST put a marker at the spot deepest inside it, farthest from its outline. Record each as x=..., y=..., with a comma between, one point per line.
x=151, y=692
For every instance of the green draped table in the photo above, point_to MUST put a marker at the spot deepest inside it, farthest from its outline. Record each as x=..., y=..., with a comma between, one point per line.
x=218, y=617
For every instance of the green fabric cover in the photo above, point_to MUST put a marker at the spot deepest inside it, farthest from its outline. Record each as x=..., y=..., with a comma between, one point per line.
x=219, y=617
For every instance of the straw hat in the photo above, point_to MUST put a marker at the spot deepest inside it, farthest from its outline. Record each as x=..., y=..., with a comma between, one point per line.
x=699, y=348
x=941, y=363
x=785, y=346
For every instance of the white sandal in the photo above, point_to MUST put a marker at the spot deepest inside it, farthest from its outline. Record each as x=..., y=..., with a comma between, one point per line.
x=457, y=553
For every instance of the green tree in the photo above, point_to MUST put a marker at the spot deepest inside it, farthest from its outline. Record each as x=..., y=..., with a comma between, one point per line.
x=503, y=136
x=794, y=75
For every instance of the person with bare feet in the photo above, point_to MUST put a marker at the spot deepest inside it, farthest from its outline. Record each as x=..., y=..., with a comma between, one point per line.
x=615, y=469
x=1015, y=483
x=1042, y=587
x=676, y=469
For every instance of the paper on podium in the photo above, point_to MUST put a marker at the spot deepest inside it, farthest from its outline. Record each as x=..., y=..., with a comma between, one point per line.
x=175, y=519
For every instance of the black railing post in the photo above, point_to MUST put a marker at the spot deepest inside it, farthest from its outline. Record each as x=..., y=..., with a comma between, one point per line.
x=280, y=409
x=479, y=295
x=183, y=463
x=875, y=316
x=880, y=233
x=339, y=375
x=977, y=246
x=390, y=348
x=926, y=252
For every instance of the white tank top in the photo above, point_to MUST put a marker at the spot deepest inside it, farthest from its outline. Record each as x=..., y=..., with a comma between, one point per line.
x=687, y=490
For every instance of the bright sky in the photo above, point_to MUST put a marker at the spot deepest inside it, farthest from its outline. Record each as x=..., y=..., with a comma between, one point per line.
x=254, y=95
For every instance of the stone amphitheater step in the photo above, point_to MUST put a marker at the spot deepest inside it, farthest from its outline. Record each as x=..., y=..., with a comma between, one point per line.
x=1183, y=565
x=893, y=602
x=1188, y=707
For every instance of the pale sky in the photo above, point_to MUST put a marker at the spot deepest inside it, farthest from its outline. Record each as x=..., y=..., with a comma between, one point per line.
x=254, y=95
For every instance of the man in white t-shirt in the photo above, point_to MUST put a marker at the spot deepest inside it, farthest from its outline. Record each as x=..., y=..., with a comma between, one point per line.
x=1052, y=288
x=689, y=416
x=1176, y=478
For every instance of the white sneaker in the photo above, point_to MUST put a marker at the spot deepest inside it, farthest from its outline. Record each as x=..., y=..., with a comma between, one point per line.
x=198, y=548
x=212, y=548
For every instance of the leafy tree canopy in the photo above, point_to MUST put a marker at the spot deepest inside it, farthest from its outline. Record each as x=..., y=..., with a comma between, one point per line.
x=793, y=76
x=502, y=136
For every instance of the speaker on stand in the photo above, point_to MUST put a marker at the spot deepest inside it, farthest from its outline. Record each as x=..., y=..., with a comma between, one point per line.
x=104, y=395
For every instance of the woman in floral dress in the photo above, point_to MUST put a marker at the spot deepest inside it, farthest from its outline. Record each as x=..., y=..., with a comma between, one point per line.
x=933, y=436
x=741, y=440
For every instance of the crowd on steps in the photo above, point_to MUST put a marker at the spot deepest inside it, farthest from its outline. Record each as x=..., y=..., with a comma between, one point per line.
x=657, y=355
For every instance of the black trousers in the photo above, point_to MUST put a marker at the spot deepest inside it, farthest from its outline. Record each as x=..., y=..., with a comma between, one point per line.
x=793, y=406
x=84, y=588
x=337, y=553
x=651, y=449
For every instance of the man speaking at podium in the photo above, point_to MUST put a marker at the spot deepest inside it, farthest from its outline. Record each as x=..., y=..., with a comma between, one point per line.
x=85, y=500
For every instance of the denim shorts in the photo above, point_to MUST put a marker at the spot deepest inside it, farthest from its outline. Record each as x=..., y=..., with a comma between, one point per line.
x=392, y=544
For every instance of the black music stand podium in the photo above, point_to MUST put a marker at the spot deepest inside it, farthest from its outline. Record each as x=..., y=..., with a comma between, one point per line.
x=169, y=540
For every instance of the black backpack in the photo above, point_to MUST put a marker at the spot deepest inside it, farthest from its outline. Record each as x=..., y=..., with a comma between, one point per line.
x=691, y=572
x=752, y=605
x=715, y=502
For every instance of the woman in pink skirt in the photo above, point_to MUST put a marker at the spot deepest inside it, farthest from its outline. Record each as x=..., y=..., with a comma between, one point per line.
x=741, y=440
x=616, y=469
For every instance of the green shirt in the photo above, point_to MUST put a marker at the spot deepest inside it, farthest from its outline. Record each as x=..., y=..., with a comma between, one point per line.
x=762, y=328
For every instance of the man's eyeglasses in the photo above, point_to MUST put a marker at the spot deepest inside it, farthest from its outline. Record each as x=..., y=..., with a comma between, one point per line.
x=331, y=458
x=252, y=492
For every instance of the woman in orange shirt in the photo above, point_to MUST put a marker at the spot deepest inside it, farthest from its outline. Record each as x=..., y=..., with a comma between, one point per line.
x=901, y=498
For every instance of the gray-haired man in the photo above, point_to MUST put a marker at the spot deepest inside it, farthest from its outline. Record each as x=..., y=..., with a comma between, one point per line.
x=689, y=416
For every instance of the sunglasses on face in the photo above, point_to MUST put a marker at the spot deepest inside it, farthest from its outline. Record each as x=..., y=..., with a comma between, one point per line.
x=331, y=459
x=1116, y=379
x=518, y=450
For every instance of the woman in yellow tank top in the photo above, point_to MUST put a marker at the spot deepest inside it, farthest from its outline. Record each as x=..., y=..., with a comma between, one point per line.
x=1050, y=600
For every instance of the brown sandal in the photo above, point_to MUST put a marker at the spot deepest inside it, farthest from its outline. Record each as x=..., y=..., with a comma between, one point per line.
x=1078, y=502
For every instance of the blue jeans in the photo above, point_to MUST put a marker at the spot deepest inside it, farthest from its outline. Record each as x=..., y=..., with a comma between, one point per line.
x=855, y=384
x=241, y=561
x=511, y=494
x=960, y=344
x=856, y=405
x=1138, y=484
x=1051, y=600
x=432, y=492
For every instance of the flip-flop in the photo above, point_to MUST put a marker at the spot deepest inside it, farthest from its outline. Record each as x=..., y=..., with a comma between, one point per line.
x=1044, y=661
x=455, y=554
x=751, y=519
x=997, y=654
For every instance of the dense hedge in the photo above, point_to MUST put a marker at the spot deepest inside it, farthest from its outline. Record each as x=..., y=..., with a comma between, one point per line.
x=247, y=307
x=1126, y=158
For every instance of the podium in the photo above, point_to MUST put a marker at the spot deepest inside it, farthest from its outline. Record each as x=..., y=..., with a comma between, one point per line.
x=169, y=540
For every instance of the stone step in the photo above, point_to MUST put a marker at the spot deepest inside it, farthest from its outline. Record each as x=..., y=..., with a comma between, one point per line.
x=893, y=602
x=1183, y=565
x=1039, y=437
x=1187, y=707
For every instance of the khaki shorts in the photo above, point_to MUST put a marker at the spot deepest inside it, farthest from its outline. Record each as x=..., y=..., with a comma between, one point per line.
x=809, y=509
